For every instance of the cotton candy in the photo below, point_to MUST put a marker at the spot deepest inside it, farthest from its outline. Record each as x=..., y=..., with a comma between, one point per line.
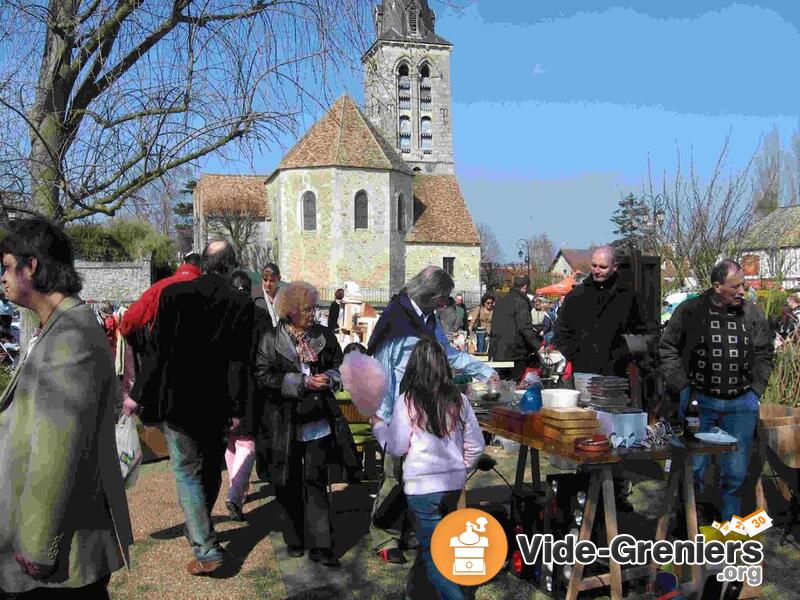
x=365, y=378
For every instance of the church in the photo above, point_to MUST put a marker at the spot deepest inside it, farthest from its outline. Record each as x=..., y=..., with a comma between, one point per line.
x=369, y=195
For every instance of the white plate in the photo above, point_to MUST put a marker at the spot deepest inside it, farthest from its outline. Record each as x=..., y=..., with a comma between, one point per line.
x=520, y=393
x=715, y=438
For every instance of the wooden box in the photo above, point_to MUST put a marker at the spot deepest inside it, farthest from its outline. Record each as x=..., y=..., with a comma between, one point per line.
x=533, y=426
x=775, y=415
x=508, y=418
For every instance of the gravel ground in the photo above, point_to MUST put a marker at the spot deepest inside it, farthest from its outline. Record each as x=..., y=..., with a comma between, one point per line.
x=261, y=569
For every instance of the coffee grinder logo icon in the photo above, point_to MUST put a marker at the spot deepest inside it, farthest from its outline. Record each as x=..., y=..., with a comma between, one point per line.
x=469, y=549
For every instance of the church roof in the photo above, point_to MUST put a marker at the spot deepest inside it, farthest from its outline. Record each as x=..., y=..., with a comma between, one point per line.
x=441, y=214
x=344, y=137
x=392, y=22
x=236, y=193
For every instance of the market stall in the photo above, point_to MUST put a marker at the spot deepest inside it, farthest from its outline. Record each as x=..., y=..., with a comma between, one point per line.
x=599, y=467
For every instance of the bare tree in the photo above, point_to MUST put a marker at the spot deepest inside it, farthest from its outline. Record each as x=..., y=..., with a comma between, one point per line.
x=241, y=221
x=696, y=221
x=541, y=250
x=106, y=96
x=491, y=257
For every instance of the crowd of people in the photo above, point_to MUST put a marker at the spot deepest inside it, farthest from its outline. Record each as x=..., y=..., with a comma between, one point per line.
x=251, y=382
x=248, y=381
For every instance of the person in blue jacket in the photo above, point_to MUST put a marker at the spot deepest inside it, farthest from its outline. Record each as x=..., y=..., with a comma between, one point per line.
x=409, y=317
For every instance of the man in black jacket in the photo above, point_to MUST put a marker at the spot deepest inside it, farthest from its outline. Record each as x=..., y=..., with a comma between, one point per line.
x=201, y=378
x=513, y=336
x=593, y=318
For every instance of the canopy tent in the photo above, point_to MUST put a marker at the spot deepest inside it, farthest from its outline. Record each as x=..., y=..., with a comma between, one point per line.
x=562, y=288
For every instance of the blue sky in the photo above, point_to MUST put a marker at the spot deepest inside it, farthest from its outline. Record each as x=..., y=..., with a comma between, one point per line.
x=559, y=103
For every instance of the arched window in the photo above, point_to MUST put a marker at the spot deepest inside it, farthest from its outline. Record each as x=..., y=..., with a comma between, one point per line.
x=403, y=88
x=309, y=211
x=425, y=98
x=361, y=210
x=401, y=213
x=405, y=134
x=426, y=135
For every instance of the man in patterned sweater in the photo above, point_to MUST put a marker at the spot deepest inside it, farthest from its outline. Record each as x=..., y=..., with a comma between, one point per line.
x=718, y=347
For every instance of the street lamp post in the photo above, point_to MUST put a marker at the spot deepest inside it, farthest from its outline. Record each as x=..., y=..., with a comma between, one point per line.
x=524, y=250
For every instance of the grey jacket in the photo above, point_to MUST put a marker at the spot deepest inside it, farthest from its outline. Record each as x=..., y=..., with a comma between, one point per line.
x=62, y=498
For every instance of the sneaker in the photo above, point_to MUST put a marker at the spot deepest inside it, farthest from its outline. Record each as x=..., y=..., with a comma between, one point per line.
x=234, y=511
x=392, y=556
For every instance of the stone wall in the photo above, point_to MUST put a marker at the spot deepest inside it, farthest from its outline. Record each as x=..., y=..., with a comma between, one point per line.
x=109, y=281
x=337, y=252
x=466, y=267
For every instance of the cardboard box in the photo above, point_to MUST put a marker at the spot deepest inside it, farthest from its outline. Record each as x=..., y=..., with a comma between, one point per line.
x=623, y=424
x=154, y=444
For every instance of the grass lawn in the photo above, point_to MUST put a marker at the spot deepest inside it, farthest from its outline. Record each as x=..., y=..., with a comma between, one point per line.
x=261, y=570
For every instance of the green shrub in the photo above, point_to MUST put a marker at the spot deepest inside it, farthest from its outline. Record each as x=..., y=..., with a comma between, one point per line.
x=95, y=242
x=784, y=382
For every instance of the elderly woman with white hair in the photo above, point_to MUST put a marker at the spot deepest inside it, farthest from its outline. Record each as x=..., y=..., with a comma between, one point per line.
x=297, y=369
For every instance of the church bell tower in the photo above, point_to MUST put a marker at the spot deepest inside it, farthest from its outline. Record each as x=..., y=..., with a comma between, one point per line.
x=407, y=85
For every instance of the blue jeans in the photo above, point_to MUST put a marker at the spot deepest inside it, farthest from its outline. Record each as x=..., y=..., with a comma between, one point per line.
x=196, y=461
x=429, y=509
x=739, y=417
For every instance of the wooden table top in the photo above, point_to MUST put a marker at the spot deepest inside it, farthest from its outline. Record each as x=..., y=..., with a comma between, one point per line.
x=616, y=455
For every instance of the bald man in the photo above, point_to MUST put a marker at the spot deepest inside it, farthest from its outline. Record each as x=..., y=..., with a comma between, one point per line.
x=200, y=381
x=594, y=316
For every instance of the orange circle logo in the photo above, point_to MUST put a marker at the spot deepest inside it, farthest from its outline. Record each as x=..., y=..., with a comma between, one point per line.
x=469, y=547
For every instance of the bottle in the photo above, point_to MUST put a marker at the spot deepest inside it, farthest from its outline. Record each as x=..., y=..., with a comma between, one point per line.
x=691, y=419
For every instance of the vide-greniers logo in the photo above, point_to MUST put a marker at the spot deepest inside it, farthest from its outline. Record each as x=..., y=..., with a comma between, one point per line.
x=469, y=547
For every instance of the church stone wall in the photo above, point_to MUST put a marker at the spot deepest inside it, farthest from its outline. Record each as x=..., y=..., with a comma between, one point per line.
x=335, y=252
x=466, y=272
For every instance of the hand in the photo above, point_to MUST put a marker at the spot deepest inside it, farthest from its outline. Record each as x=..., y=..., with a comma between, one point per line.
x=35, y=570
x=317, y=382
x=374, y=420
x=494, y=379
x=236, y=422
x=130, y=406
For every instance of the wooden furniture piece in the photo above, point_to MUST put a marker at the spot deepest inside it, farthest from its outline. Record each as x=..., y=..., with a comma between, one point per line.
x=599, y=465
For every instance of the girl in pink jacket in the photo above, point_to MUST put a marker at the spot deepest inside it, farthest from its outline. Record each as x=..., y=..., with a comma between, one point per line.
x=435, y=428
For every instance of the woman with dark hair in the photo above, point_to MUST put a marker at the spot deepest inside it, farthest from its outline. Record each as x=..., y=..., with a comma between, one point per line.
x=436, y=430
x=297, y=369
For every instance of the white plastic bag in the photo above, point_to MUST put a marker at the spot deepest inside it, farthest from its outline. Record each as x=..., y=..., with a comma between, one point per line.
x=129, y=449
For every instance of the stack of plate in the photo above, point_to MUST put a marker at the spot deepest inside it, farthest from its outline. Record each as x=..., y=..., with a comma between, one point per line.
x=608, y=392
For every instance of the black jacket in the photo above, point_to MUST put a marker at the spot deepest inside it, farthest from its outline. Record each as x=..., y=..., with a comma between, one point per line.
x=333, y=316
x=199, y=374
x=513, y=336
x=279, y=382
x=590, y=325
x=682, y=335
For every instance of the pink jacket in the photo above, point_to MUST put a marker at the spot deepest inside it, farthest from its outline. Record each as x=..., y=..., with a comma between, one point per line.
x=431, y=464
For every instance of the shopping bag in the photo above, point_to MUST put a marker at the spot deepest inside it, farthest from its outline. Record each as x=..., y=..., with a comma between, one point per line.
x=129, y=449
